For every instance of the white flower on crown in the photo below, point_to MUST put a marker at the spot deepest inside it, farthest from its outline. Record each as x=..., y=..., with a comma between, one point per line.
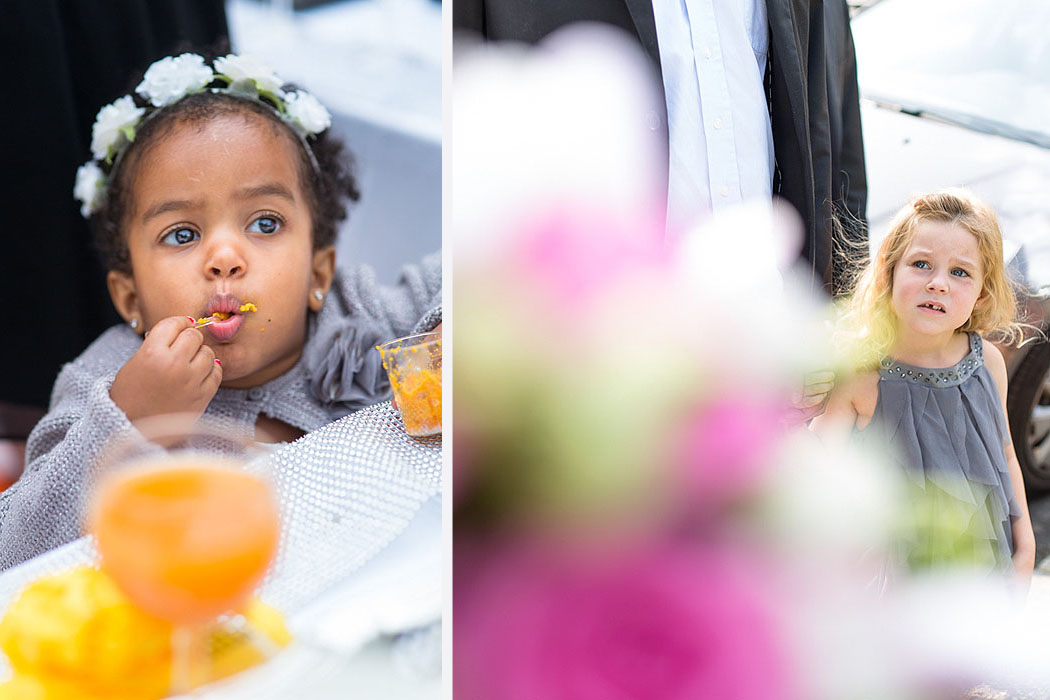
x=112, y=120
x=305, y=113
x=239, y=68
x=165, y=83
x=90, y=187
x=173, y=77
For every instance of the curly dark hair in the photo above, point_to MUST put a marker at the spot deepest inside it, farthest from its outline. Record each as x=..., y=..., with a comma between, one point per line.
x=328, y=186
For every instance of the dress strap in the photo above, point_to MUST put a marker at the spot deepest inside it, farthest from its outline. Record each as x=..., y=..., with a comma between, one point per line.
x=976, y=345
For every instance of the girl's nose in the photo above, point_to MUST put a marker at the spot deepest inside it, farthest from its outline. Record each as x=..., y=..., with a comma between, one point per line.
x=937, y=283
x=225, y=257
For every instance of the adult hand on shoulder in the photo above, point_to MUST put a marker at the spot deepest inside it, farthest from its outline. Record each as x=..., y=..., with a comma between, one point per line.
x=811, y=401
x=172, y=372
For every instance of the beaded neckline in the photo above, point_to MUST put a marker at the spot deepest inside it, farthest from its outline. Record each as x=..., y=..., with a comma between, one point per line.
x=937, y=377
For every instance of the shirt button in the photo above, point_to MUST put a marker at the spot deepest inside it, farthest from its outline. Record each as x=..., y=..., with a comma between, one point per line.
x=707, y=53
x=652, y=120
x=255, y=393
x=718, y=122
x=724, y=191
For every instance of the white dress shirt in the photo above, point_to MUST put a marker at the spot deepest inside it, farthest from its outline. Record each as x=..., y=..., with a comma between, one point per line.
x=713, y=60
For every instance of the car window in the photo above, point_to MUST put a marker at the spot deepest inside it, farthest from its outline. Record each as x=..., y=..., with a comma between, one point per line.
x=989, y=59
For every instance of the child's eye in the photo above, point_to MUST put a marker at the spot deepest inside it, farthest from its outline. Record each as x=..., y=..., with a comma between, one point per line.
x=265, y=224
x=959, y=272
x=921, y=264
x=180, y=236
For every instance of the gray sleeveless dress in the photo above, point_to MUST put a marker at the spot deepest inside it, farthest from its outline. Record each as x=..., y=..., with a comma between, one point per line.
x=947, y=431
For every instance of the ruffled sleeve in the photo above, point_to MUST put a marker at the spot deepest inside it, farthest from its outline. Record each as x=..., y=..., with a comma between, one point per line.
x=343, y=367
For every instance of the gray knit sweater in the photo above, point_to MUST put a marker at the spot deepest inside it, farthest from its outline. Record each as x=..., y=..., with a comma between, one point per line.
x=339, y=372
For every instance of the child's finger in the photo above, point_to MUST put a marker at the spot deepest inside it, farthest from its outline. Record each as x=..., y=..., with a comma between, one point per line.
x=214, y=377
x=187, y=343
x=202, y=361
x=167, y=330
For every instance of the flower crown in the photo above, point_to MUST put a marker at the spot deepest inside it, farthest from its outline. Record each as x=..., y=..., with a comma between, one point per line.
x=169, y=80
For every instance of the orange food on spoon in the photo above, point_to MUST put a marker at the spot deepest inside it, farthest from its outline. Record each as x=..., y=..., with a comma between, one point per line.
x=246, y=307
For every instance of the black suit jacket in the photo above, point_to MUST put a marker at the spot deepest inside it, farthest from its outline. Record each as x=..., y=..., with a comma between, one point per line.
x=813, y=100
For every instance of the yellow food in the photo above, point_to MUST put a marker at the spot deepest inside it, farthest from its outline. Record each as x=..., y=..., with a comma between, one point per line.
x=223, y=315
x=419, y=400
x=75, y=635
x=77, y=628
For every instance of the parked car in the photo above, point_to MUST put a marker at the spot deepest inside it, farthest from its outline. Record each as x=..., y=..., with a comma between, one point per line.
x=956, y=93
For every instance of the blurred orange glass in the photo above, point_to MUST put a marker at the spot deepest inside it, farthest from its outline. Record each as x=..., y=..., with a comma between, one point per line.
x=186, y=537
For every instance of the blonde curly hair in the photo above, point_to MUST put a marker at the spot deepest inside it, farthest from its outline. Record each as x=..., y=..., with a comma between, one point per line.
x=868, y=328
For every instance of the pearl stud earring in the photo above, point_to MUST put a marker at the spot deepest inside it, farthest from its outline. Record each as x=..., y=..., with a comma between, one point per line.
x=318, y=296
x=134, y=323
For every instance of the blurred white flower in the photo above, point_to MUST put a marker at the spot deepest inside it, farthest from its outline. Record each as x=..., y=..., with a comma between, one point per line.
x=549, y=124
x=830, y=503
x=737, y=272
x=305, y=112
x=245, y=67
x=110, y=122
x=173, y=77
x=90, y=187
x=956, y=625
x=745, y=250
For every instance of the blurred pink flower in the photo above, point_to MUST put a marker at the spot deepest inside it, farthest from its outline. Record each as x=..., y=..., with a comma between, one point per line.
x=726, y=445
x=577, y=255
x=669, y=624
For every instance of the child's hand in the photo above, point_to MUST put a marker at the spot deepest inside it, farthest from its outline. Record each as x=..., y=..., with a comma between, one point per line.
x=173, y=372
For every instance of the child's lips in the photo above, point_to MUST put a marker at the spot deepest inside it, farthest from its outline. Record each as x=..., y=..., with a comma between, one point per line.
x=225, y=330
x=932, y=307
x=224, y=303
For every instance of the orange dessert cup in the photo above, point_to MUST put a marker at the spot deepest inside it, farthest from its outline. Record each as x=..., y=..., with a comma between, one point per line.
x=413, y=365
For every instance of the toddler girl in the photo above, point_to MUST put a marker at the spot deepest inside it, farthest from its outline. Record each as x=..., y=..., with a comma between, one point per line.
x=930, y=385
x=215, y=189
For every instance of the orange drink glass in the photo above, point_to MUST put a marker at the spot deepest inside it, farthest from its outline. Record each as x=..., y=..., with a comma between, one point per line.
x=413, y=364
x=186, y=523
x=186, y=538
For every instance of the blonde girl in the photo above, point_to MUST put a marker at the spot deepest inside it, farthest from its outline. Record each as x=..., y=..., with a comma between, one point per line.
x=928, y=383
